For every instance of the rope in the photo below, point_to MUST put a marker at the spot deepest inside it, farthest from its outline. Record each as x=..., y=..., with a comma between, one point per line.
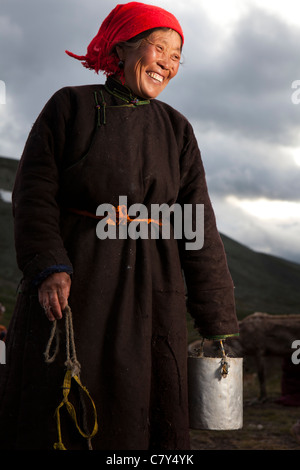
x=54, y=333
x=224, y=364
x=72, y=362
x=73, y=372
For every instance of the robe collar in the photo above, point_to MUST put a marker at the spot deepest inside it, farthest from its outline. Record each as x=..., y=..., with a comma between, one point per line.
x=115, y=88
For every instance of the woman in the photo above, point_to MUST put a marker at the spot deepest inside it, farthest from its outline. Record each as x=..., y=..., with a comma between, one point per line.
x=89, y=146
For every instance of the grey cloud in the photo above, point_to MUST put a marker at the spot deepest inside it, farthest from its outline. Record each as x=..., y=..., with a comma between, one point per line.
x=239, y=101
x=246, y=85
x=33, y=64
x=272, y=237
x=248, y=168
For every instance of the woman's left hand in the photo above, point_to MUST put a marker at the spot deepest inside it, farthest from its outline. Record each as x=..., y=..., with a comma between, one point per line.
x=54, y=293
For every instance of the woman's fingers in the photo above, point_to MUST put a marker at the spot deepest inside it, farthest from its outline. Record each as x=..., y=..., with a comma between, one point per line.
x=55, y=306
x=53, y=295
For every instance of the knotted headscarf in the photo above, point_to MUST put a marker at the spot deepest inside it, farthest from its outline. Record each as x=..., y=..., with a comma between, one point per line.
x=124, y=22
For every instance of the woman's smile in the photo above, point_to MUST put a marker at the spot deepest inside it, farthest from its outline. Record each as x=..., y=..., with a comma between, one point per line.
x=156, y=76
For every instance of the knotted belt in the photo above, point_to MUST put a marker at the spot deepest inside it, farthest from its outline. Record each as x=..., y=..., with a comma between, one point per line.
x=118, y=217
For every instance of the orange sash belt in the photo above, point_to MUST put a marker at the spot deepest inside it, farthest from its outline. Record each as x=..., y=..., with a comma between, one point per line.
x=120, y=217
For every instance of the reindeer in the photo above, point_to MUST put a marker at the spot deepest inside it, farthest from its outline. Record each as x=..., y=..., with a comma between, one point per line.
x=262, y=335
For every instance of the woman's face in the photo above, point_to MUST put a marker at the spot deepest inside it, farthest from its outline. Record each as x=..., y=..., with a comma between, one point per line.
x=149, y=68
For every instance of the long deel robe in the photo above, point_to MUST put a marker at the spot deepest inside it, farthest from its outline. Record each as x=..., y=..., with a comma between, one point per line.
x=128, y=296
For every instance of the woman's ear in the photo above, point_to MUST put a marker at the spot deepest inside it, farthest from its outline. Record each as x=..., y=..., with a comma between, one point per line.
x=120, y=52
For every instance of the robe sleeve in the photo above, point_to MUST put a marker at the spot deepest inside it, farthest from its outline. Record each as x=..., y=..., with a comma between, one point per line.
x=210, y=289
x=38, y=242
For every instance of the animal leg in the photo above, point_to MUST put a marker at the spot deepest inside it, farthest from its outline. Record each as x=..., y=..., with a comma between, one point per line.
x=261, y=377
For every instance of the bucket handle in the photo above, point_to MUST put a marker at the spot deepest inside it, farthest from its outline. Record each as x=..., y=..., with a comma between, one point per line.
x=224, y=364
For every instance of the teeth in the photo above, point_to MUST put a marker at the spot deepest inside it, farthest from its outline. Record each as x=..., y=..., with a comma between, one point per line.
x=156, y=76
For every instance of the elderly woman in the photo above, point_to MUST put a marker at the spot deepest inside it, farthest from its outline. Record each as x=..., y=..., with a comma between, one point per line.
x=89, y=146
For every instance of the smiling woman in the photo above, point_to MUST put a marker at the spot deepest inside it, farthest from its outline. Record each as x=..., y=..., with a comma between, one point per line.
x=89, y=146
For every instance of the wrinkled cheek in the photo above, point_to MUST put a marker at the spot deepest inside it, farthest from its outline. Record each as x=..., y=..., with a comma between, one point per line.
x=175, y=71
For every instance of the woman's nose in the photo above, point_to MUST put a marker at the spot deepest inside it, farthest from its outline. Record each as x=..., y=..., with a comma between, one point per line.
x=164, y=61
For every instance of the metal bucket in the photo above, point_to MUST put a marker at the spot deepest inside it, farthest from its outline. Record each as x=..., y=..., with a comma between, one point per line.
x=215, y=392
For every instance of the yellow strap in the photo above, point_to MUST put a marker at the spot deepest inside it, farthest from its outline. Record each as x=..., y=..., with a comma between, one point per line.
x=71, y=410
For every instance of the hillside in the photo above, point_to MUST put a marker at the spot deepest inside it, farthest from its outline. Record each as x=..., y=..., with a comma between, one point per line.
x=8, y=168
x=262, y=282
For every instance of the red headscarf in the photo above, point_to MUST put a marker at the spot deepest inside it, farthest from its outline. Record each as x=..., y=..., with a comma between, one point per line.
x=123, y=23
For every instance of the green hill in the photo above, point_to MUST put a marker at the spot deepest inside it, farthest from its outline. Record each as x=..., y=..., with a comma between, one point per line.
x=262, y=282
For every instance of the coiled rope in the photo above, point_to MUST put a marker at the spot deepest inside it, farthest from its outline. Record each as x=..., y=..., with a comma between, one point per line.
x=73, y=372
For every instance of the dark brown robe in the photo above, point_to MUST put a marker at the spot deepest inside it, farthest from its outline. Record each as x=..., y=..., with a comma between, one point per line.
x=127, y=296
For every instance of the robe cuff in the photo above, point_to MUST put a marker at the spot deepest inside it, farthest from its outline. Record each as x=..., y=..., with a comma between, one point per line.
x=214, y=312
x=220, y=337
x=59, y=268
x=44, y=264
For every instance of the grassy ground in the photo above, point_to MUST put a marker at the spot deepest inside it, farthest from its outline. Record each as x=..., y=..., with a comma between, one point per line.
x=267, y=426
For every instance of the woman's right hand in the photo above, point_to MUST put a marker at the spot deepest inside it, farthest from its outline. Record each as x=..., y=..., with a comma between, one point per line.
x=53, y=295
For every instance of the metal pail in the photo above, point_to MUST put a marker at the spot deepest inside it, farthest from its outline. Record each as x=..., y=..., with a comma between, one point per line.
x=215, y=399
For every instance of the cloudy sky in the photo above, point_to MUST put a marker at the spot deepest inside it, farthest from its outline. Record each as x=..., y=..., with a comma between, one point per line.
x=239, y=85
